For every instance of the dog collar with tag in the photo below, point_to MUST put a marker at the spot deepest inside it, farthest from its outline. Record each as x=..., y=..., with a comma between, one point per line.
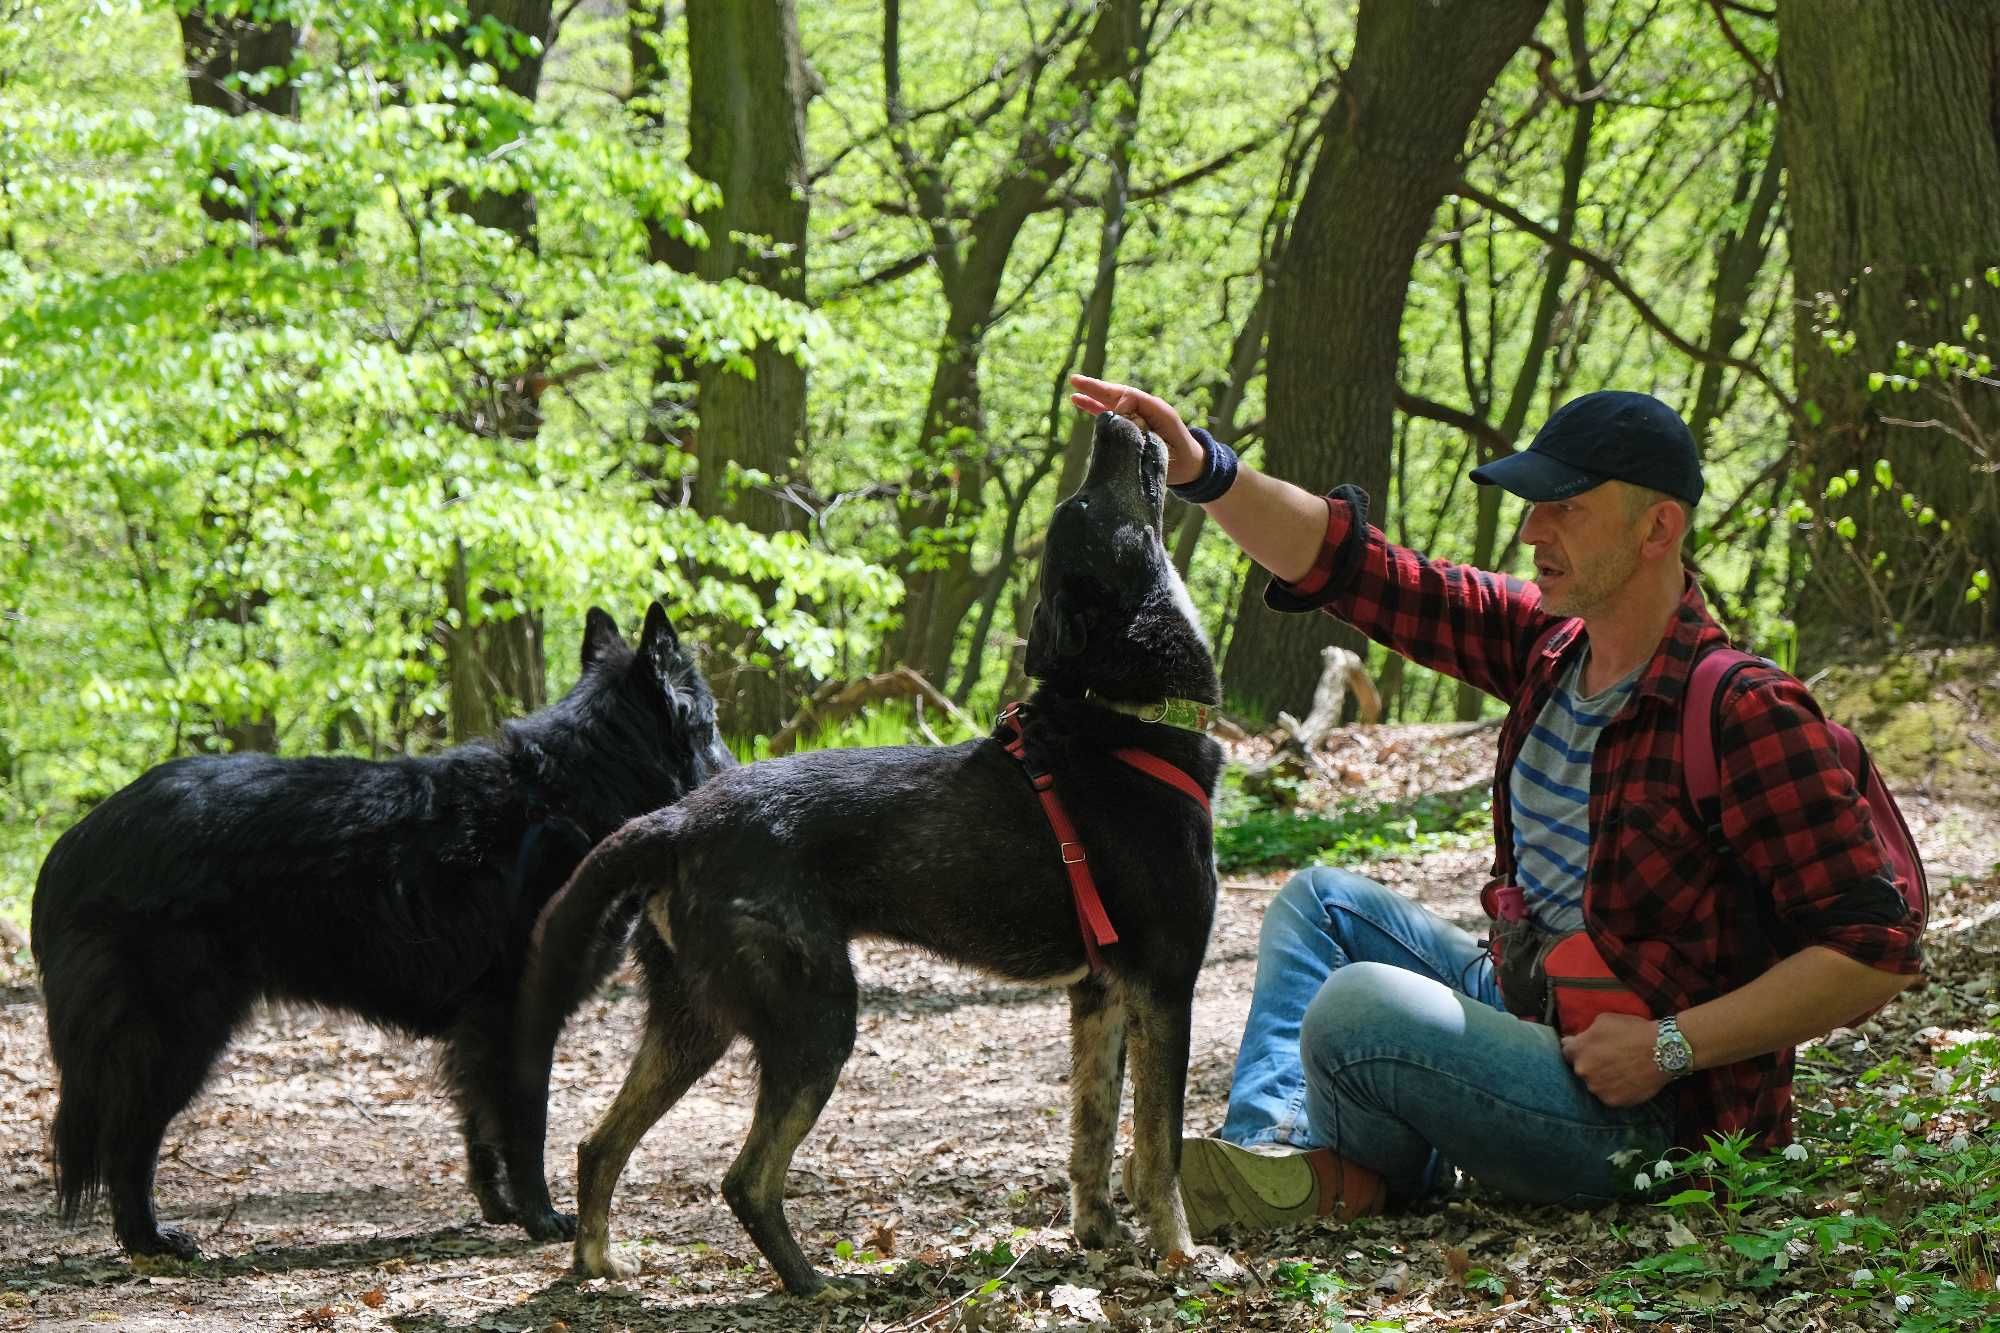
x=1183, y=713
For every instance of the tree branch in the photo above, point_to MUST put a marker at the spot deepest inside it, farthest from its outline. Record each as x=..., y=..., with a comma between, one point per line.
x=1479, y=428
x=1608, y=271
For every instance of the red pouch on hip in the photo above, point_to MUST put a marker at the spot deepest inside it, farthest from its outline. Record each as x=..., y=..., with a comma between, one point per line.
x=1582, y=986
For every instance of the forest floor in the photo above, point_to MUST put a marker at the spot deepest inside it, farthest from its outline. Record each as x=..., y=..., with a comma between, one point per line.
x=323, y=1166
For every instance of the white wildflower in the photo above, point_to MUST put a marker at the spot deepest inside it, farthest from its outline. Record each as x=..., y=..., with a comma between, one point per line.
x=1941, y=1081
x=1905, y=1303
x=1861, y=1043
x=1795, y=1152
x=1642, y=1181
x=1861, y=1276
x=1913, y=1122
x=1959, y=1142
x=1662, y=1169
x=1993, y=1093
x=1899, y=1153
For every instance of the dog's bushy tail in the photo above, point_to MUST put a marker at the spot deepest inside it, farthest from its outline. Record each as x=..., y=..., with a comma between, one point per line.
x=559, y=976
x=75, y=1140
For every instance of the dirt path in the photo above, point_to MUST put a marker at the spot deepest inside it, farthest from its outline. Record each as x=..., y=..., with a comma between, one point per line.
x=323, y=1164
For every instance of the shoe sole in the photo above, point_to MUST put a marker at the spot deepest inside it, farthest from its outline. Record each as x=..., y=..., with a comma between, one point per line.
x=1226, y=1185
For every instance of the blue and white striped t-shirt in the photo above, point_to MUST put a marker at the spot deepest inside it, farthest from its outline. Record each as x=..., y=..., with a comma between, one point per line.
x=1548, y=796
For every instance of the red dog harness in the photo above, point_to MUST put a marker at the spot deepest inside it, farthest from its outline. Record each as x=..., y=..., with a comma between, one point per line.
x=1091, y=918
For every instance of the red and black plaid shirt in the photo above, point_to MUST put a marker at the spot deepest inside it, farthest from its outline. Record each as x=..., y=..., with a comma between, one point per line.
x=1662, y=906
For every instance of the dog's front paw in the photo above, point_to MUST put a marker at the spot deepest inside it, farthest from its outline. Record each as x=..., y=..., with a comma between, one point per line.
x=598, y=1261
x=1099, y=1229
x=162, y=1251
x=548, y=1224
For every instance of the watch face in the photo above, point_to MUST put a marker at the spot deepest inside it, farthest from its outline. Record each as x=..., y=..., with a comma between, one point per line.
x=1672, y=1049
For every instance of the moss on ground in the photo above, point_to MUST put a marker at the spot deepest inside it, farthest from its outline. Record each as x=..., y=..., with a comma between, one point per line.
x=1931, y=717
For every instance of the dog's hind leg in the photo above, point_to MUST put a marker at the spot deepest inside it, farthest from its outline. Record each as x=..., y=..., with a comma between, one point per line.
x=1161, y=1033
x=133, y=1084
x=681, y=1041
x=801, y=1045
x=1097, y=1071
x=475, y=1067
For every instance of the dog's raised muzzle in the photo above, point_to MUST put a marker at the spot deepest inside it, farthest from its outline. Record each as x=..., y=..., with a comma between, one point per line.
x=1127, y=478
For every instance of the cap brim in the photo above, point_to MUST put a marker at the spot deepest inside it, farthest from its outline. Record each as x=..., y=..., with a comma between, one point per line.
x=1534, y=476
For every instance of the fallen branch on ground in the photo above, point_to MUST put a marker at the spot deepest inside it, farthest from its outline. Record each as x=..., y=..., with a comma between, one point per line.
x=838, y=699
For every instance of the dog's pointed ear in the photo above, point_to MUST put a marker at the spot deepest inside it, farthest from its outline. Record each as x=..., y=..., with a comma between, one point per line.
x=658, y=643
x=600, y=632
x=1056, y=631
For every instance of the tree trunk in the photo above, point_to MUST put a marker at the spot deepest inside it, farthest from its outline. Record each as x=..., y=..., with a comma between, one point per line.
x=1555, y=274
x=747, y=93
x=1891, y=116
x=496, y=667
x=941, y=587
x=217, y=51
x=1389, y=148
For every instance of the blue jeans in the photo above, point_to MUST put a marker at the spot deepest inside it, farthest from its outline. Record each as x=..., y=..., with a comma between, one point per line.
x=1376, y=1029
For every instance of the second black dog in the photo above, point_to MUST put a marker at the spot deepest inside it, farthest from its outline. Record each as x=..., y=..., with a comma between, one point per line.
x=756, y=884
x=402, y=891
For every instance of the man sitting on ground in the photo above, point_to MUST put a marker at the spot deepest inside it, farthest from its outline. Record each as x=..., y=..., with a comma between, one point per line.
x=1380, y=1051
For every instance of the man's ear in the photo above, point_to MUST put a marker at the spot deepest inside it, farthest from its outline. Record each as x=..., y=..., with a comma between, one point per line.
x=600, y=632
x=1056, y=631
x=1666, y=530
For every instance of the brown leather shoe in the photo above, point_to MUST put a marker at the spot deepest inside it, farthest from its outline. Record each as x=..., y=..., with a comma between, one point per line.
x=1257, y=1189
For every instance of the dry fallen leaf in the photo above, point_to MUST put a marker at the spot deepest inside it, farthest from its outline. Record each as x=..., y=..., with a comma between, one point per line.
x=1457, y=1263
x=373, y=1299
x=882, y=1239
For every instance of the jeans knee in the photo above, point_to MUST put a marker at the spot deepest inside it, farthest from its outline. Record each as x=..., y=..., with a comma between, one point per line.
x=1356, y=1008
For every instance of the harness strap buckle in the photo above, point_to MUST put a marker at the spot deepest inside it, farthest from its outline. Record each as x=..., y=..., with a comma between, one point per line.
x=1068, y=847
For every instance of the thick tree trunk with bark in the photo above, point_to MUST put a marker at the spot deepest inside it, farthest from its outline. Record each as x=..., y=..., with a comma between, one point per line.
x=1389, y=149
x=747, y=93
x=1891, y=117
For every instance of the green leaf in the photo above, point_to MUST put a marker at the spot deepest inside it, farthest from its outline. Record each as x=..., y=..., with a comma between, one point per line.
x=1686, y=1197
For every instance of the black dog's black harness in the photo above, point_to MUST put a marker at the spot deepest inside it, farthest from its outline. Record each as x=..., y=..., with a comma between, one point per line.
x=1091, y=918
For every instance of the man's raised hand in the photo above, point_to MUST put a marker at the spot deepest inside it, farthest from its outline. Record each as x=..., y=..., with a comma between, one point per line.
x=1185, y=456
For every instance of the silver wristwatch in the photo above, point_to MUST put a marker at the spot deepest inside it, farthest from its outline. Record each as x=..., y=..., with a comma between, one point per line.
x=1671, y=1051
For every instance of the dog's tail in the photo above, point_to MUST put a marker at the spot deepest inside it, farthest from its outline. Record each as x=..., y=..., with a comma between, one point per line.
x=558, y=978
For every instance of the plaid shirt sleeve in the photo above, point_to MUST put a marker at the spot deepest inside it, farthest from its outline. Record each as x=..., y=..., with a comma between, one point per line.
x=1792, y=813
x=1465, y=622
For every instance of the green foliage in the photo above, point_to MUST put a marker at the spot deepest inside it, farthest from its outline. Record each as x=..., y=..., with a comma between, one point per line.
x=1890, y=1199
x=1251, y=836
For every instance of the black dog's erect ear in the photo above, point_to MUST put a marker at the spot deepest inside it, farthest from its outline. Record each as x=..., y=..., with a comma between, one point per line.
x=658, y=643
x=1055, y=631
x=600, y=631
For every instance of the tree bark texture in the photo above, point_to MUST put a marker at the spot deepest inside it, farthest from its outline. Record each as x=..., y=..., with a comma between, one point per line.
x=1891, y=122
x=747, y=94
x=1389, y=149
x=971, y=261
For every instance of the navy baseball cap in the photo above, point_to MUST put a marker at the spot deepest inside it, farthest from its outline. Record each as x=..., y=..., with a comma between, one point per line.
x=1612, y=435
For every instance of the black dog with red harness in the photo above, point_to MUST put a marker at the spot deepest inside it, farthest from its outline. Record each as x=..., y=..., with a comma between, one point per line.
x=1073, y=848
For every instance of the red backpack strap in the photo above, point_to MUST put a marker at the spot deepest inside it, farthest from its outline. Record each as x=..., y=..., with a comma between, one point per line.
x=1699, y=724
